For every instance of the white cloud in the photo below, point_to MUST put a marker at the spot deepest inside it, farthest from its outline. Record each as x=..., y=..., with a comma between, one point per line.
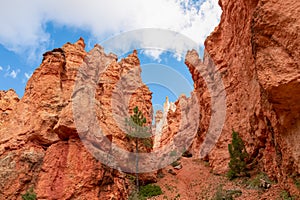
x=8, y=68
x=27, y=75
x=153, y=53
x=178, y=57
x=12, y=73
x=24, y=30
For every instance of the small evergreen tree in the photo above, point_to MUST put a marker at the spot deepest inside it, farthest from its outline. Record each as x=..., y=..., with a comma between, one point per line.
x=137, y=131
x=238, y=156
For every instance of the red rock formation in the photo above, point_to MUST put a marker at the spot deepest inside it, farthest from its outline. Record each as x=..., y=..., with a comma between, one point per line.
x=8, y=100
x=256, y=51
x=70, y=171
x=39, y=143
x=199, y=71
x=121, y=90
x=166, y=123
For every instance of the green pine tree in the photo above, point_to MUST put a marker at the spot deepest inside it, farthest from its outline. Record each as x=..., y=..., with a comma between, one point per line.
x=238, y=156
x=137, y=131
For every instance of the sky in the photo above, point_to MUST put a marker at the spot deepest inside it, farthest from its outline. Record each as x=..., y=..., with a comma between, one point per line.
x=30, y=28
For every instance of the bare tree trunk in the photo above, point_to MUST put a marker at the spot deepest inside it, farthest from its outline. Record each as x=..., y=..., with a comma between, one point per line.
x=137, y=165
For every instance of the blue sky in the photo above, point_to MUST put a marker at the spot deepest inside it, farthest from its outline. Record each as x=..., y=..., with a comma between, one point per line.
x=29, y=28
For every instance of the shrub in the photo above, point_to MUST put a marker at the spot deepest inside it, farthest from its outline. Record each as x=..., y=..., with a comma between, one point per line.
x=285, y=195
x=29, y=195
x=238, y=156
x=297, y=183
x=258, y=181
x=131, y=178
x=145, y=192
x=150, y=190
x=222, y=194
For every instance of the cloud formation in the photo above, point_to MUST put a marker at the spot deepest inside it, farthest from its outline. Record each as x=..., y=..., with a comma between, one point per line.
x=12, y=73
x=25, y=29
x=27, y=75
x=153, y=53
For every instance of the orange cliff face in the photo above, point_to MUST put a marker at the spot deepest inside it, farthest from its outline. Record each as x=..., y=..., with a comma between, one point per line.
x=39, y=143
x=254, y=54
x=256, y=51
x=8, y=100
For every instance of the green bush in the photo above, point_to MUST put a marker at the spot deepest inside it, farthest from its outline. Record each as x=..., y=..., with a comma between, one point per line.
x=145, y=192
x=29, y=195
x=238, y=156
x=297, y=183
x=150, y=190
x=256, y=182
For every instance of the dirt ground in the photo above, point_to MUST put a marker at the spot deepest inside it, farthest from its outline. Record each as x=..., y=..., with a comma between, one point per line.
x=195, y=181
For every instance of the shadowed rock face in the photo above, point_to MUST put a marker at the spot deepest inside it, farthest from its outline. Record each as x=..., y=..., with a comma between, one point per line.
x=39, y=143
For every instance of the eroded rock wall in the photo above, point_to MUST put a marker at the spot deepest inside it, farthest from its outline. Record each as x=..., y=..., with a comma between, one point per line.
x=255, y=48
x=39, y=143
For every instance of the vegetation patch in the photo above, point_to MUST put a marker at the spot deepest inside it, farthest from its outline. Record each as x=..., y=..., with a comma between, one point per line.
x=285, y=195
x=222, y=194
x=297, y=183
x=146, y=192
x=150, y=190
x=29, y=195
x=139, y=133
x=238, y=156
x=260, y=181
x=131, y=178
